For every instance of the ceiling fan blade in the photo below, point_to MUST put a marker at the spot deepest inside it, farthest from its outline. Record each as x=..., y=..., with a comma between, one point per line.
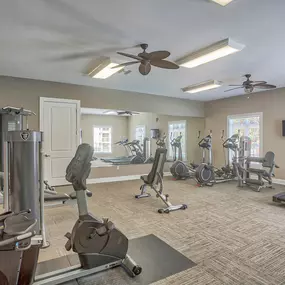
x=258, y=82
x=233, y=89
x=125, y=64
x=144, y=69
x=161, y=54
x=130, y=55
x=264, y=86
x=90, y=53
x=164, y=64
x=235, y=85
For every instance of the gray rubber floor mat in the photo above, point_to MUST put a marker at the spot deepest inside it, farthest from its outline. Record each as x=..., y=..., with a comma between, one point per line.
x=157, y=258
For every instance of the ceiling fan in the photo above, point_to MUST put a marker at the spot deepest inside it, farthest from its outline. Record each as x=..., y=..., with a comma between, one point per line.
x=121, y=113
x=146, y=60
x=129, y=113
x=249, y=85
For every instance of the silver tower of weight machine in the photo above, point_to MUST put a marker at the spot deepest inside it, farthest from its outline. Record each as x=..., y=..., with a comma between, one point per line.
x=11, y=119
x=16, y=119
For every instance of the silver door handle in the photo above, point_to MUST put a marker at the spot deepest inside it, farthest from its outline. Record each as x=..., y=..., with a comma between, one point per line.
x=47, y=155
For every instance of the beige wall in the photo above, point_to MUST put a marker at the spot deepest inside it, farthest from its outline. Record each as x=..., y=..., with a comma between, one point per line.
x=119, y=130
x=26, y=92
x=155, y=121
x=271, y=103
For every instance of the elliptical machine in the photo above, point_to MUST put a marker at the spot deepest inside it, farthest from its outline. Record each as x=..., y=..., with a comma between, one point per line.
x=99, y=245
x=176, y=147
x=182, y=171
x=208, y=175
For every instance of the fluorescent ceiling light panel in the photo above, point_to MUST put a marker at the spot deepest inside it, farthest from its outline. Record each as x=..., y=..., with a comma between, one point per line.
x=210, y=53
x=111, y=113
x=212, y=84
x=222, y=2
x=102, y=68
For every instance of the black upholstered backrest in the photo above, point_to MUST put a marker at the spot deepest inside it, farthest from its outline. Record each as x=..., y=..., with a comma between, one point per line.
x=158, y=165
x=269, y=159
x=79, y=168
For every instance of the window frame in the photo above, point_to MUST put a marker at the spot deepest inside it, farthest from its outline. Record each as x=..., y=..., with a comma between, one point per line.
x=111, y=130
x=248, y=115
x=140, y=126
x=170, y=154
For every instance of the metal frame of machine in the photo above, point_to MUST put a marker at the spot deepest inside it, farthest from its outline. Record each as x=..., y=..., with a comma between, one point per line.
x=154, y=180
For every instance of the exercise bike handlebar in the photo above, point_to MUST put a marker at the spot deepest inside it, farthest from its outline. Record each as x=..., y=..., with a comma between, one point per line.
x=16, y=239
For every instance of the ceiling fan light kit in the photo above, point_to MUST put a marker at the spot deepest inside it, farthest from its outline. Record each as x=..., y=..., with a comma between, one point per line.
x=103, y=68
x=210, y=53
x=207, y=85
x=222, y=2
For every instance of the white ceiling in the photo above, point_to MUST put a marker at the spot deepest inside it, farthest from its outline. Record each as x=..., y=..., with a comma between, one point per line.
x=34, y=33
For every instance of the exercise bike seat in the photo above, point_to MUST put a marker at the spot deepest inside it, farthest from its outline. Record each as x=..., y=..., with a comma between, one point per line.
x=80, y=166
x=19, y=224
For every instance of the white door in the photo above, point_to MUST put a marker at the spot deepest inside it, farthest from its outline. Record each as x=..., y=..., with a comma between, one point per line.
x=60, y=122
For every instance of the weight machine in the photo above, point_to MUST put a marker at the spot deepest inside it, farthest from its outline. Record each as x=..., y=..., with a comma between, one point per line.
x=154, y=180
x=264, y=175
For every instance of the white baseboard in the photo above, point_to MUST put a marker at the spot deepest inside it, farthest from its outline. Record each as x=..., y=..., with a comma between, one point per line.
x=278, y=181
x=118, y=178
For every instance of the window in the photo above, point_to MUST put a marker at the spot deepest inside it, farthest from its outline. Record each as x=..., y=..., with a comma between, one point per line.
x=174, y=130
x=102, y=138
x=250, y=125
x=140, y=133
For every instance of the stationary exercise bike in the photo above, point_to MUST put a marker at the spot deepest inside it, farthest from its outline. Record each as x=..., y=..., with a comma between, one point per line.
x=99, y=245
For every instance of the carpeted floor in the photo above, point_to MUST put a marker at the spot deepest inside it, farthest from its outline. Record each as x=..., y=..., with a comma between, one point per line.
x=236, y=236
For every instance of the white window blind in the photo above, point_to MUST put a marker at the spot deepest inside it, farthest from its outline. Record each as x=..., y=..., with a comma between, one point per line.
x=140, y=133
x=102, y=138
x=250, y=125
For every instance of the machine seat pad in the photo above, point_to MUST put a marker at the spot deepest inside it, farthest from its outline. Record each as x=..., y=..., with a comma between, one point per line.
x=144, y=179
x=73, y=196
x=280, y=196
x=57, y=197
x=19, y=224
x=257, y=171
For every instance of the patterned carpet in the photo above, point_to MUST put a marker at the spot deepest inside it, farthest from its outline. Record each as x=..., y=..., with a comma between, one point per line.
x=236, y=236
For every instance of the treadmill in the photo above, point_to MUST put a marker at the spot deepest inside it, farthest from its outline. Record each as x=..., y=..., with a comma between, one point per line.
x=123, y=143
x=136, y=158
